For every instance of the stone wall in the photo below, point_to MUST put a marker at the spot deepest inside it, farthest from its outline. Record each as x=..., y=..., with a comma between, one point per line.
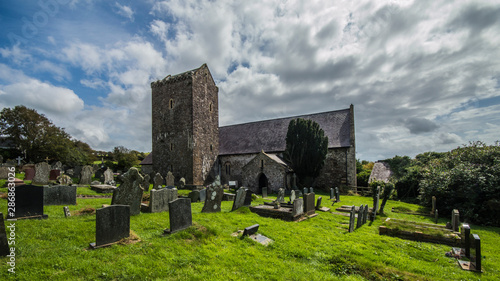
x=235, y=170
x=339, y=169
x=263, y=165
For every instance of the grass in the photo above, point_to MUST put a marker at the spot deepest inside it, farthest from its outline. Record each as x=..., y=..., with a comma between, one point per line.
x=316, y=249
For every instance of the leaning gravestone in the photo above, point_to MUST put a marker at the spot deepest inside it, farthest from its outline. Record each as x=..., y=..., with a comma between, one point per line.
x=29, y=202
x=59, y=195
x=112, y=224
x=248, y=198
x=281, y=196
x=213, y=200
x=4, y=244
x=455, y=219
x=318, y=202
x=66, y=212
x=157, y=181
x=41, y=174
x=159, y=199
x=108, y=176
x=309, y=207
x=29, y=174
x=239, y=201
x=170, y=179
x=180, y=215
x=130, y=191
x=352, y=217
x=86, y=175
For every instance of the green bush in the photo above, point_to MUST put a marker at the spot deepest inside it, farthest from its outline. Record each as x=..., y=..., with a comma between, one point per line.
x=363, y=177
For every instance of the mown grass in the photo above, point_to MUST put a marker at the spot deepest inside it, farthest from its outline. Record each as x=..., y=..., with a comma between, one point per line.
x=316, y=249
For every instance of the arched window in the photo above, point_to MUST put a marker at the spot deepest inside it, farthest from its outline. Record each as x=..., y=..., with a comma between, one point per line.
x=262, y=163
x=211, y=107
x=228, y=168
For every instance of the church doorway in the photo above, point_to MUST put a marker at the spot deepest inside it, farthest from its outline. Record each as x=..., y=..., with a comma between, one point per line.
x=262, y=182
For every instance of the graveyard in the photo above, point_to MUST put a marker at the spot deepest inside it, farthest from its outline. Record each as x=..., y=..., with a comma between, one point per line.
x=321, y=247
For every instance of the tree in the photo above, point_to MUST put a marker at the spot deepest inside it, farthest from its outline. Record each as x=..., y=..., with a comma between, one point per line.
x=125, y=157
x=306, y=149
x=36, y=136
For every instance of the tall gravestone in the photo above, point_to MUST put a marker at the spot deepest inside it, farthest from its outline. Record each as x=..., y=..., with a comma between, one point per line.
x=332, y=193
x=42, y=171
x=157, y=181
x=264, y=192
x=59, y=195
x=112, y=224
x=292, y=196
x=109, y=177
x=239, y=200
x=29, y=174
x=159, y=199
x=130, y=191
x=86, y=175
x=29, y=202
x=298, y=207
x=213, y=200
x=170, y=179
x=281, y=196
x=4, y=244
x=455, y=219
x=337, y=194
x=361, y=212
x=365, y=215
x=203, y=195
x=305, y=190
x=375, y=203
x=248, y=198
x=352, y=217
x=433, y=204
x=180, y=215
x=309, y=207
x=318, y=202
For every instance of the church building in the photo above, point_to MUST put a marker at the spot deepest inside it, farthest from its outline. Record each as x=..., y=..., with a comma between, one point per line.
x=188, y=141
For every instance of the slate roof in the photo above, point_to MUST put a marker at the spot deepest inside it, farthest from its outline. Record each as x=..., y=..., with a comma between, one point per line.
x=148, y=160
x=270, y=135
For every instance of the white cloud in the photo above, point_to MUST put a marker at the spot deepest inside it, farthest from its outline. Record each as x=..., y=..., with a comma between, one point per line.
x=125, y=11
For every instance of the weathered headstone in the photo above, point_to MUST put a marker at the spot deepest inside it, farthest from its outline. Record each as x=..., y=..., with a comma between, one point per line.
x=112, y=224
x=159, y=199
x=180, y=215
x=182, y=183
x=305, y=190
x=54, y=174
x=203, y=195
x=309, y=207
x=41, y=174
x=264, y=192
x=433, y=204
x=352, y=217
x=455, y=220
x=292, y=196
x=59, y=195
x=170, y=179
x=298, y=207
x=86, y=175
x=337, y=194
x=29, y=202
x=466, y=236
x=213, y=200
x=311, y=190
x=29, y=174
x=194, y=196
x=365, y=215
x=332, y=193
x=64, y=180
x=248, y=198
x=67, y=213
x=281, y=196
x=157, y=181
x=359, y=221
x=239, y=201
x=318, y=202
x=145, y=183
x=108, y=176
x=474, y=262
x=436, y=216
x=4, y=173
x=4, y=244
x=57, y=166
x=130, y=191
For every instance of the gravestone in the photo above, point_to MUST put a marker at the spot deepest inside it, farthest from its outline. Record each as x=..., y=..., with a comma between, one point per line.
x=112, y=224
x=4, y=244
x=281, y=196
x=182, y=183
x=29, y=174
x=309, y=207
x=318, y=202
x=311, y=190
x=251, y=230
x=433, y=204
x=180, y=215
x=203, y=195
x=170, y=179
x=157, y=181
x=29, y=202
x=305, y=190
x=194, y=196
x=298, y=207
x=352, y=217
x=375, y=204
x=466, y=236
x=436, y=216
x=59, y=195
x=99, y=174
x=365, y=215
x=248, y=198
x=64, y=180
x=109, y=176
x=292, y=196
x=264, y=192
x=159, y=199
x=474, y=262
x=57, y=166
x=359, y=221
x=332, y=193
x=213, y=199
x=54, y=174
x=455, y=219
x=337, y=194
x=239, y=201
x=145, y=183
x=86, y=175
x=70, y=172
x=41, y=174
x=77, y=172
x=130, y=191
x=66, y=212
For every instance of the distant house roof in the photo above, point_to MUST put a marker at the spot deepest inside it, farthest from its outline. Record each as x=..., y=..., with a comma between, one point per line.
x=270, y=135
x=381, y=172
x=148, y=160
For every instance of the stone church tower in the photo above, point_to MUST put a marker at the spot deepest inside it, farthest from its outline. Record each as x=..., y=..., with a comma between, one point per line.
x=186, y=126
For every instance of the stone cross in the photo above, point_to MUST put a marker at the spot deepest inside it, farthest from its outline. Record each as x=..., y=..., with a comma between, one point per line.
x=19, y=159
x=47, y=159
x=130, y=191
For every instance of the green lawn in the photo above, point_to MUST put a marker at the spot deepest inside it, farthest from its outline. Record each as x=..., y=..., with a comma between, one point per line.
x=316, y=249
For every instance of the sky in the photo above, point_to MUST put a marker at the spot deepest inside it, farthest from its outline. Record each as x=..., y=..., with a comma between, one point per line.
x=422, y=75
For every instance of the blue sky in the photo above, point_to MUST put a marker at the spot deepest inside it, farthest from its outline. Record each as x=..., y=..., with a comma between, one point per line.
x=422, y=75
